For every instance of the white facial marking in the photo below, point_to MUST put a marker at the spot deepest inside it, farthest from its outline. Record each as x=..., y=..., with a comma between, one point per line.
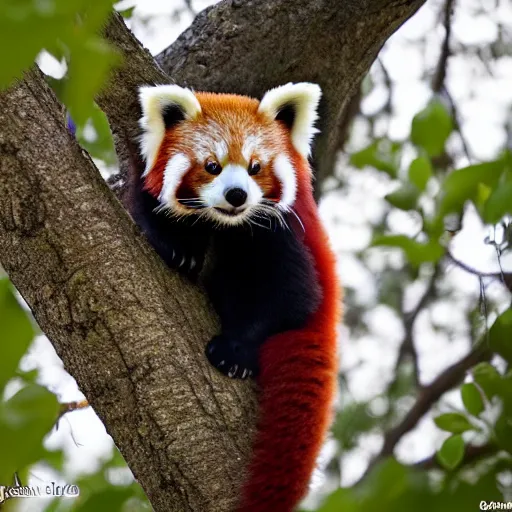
x=254, y=144
x=232, y=176
x=251, y=142
x=210, y=139
x=176, y=168
x=285, y=173
x=221, y=150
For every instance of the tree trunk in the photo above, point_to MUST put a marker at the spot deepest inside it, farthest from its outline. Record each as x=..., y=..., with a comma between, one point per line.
x=130, y=331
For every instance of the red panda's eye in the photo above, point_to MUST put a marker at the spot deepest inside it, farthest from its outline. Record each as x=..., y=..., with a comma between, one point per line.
x=212, y=167
x=254, y=168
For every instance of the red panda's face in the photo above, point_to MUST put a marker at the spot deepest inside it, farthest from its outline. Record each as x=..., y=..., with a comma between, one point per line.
x=227, y=158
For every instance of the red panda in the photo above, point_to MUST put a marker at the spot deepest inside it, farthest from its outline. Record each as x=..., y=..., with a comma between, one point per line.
x=229, y=175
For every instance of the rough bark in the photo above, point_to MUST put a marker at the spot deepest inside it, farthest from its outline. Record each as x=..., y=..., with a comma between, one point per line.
x=131, y=332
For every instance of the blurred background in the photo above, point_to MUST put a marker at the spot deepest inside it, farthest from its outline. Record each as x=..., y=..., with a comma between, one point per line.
x=437, y=102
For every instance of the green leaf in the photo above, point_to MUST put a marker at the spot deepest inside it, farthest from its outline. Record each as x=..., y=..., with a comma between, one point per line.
x=415, y=252
x=341, y=499
x=472, y=399
x=31, y=26
x=431, y=127
x=500, y=335
x=404, y=198
x=390, y=487
x=503, y=432
x=66, y=29
x=127, y=13
x=466, y=184
x=373, y=156
x=16, y=333
x=453, y=422
x=498, y=204
x=89, y=64
x=420, y=171
x=24, y=421
x=352, y=421
x=451, y=452
x=488, y=379
x=102, y=146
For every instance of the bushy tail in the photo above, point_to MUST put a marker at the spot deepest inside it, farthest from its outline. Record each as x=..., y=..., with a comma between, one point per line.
x=297, y=381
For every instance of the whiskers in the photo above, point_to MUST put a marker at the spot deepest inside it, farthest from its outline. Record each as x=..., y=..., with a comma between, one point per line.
x=270, y=210
x=289, y=209
x=268, y=214
x=266, y=211
x=193, y=202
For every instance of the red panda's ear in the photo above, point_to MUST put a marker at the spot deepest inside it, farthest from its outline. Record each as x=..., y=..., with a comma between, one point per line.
x=294, y=105
x=163, y=106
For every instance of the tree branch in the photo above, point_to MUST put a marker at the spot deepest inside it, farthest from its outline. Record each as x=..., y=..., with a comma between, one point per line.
x=407, y=347
x=438, y=81
x=449, y=378
x=251, y=46
x=504, y=277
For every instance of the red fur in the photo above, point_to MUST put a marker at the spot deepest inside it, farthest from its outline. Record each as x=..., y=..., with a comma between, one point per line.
x=298, y=368
x=298, y=382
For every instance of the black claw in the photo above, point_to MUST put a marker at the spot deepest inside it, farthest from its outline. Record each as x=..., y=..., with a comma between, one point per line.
x=232, y=359
x=186, y=263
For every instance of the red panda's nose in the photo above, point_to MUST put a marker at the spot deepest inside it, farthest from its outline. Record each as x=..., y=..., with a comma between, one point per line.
x=235, y=196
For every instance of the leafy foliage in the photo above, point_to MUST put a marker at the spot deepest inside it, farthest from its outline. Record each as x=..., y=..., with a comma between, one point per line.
x=431, y=128
x=67, y=29
x=431, y=191
x=451, y=452
x=392, y=486
x=453, y=422
x=28, y=415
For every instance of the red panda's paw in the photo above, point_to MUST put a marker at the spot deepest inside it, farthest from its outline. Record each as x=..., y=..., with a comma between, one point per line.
x=187, y=264
x=232, y=358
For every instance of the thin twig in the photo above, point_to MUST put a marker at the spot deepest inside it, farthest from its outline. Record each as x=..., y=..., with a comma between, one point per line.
x=389, y=84
x=474, y=271
x=407, y=347
x=72, y=406
x=442, y=64
x=472, y=454
x=448, y=379
x=456, y=123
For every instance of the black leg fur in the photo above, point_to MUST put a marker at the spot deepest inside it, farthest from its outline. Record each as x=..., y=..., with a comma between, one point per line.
x=262, y=283
x=180, y=243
